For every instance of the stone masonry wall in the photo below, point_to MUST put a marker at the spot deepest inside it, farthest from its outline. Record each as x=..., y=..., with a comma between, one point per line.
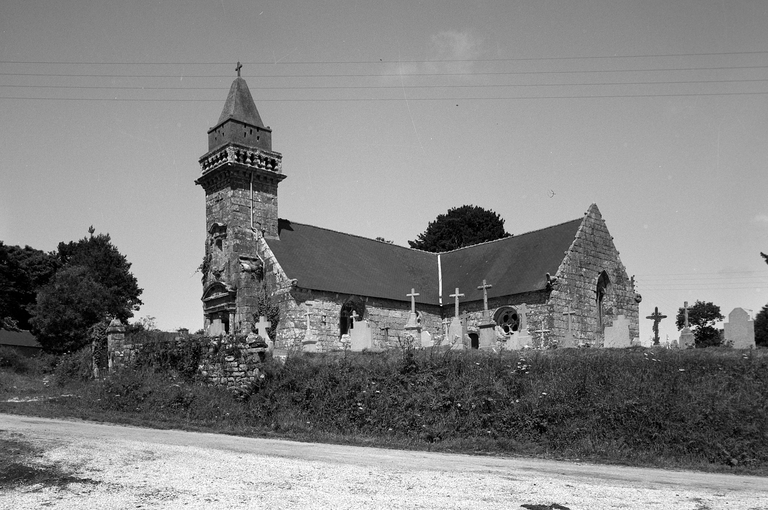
x=387, y=319
x=591, y=253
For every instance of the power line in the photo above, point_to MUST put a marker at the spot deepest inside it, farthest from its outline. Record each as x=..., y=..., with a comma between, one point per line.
x=398, y=87
x=376, y=75
x=380, y=61
x=384, y=99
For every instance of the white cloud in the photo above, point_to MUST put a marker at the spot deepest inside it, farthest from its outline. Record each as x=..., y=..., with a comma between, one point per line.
x=761, y=219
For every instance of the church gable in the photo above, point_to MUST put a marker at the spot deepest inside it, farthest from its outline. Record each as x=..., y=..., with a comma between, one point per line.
x=593, y=282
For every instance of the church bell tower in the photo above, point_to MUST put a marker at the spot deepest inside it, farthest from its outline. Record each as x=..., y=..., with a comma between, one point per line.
x=240, y=175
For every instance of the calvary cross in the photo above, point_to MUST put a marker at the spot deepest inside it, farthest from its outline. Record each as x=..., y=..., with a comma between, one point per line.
x=413, y=295
x=656, y=318
x=457, y=296
x=485, y=287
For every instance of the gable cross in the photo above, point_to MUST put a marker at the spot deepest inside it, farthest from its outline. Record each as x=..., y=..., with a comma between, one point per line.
x=413, y=295
x=656, y=318
x=457, y=296
x=238, y=67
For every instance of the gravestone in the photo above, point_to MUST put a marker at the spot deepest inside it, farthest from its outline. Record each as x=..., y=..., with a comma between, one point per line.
x=426, y=339
x=456, y=330
x=361, y=336
x=617, y=335
x=260, y=328
x=521, y=339
x=487, y=328
x=687, y=340
x=740, y=330
x=414, y=323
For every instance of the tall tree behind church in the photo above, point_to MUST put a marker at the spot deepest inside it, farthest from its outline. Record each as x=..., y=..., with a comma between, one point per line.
x=459, y=227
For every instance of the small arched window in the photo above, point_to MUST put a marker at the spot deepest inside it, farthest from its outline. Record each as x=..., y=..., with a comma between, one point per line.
x=601, y=290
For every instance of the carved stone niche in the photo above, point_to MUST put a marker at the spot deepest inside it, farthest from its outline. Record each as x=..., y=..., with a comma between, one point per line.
x=217, y=233
x=253, y=266
x=219, y=307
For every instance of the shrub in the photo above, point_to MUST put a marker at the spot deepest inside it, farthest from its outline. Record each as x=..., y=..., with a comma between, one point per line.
x=74, y=366
x=17, y=362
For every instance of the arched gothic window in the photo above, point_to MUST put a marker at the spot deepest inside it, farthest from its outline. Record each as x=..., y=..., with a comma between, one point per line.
x=603, y=286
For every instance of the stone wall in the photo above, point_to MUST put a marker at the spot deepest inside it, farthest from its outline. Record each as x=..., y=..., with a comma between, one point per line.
x=591, y=253
x=231, y=361
x=387, y=319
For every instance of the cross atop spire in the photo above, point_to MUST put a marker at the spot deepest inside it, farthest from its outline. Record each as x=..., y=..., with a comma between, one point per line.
x=238, y=67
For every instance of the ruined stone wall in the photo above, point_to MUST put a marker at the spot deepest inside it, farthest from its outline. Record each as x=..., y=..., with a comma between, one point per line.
x=231, y=361
x=591, y=253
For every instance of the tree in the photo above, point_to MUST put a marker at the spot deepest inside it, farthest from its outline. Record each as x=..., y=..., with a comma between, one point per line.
x=67, y=308
x=702, y=318
x=93, y=285
x=22, y=272
x=761, y=327
x=109, y=268
x=460, y=226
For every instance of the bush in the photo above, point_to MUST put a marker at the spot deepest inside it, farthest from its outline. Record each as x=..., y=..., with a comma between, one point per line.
x=74, y=366
x=167, y=352
x=17, y=362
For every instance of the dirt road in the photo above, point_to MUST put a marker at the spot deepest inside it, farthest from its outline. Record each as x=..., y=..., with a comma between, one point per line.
x=109, y=466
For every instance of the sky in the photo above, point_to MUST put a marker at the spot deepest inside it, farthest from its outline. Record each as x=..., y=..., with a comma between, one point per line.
x=390, y=113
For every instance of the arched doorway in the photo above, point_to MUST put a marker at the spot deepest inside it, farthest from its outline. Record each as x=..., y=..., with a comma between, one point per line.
x=352, y=309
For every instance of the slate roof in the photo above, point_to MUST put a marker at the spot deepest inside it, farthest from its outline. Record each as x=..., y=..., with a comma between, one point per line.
x=322, y=259
x=18, y=339
x=239, y=105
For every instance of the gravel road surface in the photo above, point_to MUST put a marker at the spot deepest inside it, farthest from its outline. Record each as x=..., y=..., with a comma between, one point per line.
x=111, y=466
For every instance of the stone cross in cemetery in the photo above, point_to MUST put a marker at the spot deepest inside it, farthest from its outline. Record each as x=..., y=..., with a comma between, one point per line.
x=456, y=295
x=456, y=329
x=413, y=322
x=687, y=339
x=261, y=329
x=656, y=317
x=542, y=331
x=487, y=337
x=484, y=287
x=569, y=341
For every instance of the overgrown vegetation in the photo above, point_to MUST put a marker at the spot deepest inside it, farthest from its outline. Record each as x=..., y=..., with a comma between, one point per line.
x=702, y=409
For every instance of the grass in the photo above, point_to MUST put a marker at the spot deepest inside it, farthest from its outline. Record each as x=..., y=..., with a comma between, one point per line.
x=695, y=409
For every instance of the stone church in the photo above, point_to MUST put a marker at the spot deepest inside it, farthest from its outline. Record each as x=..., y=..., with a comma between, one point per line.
x=562, y=285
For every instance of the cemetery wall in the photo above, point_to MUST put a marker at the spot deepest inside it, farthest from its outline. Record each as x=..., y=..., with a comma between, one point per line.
x=230, y=361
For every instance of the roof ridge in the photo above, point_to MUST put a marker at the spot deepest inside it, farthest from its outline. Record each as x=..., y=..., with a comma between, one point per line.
x=512, y=236
x=357, y=236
